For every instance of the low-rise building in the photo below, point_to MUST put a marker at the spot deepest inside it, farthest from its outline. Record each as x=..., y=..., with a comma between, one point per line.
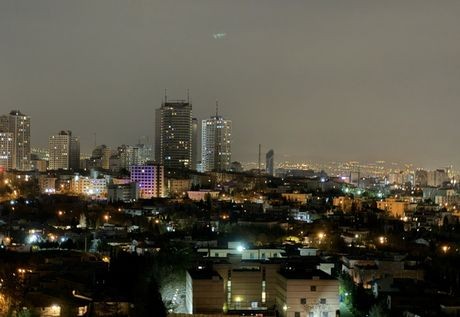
x=123, y=192
x=306, y=293
x=393, y=206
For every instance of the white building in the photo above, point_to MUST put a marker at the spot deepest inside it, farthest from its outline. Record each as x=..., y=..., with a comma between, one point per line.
x=216, y=145
x=64, y=151
x=19, y=125
x=6, y=150
x=92, y=187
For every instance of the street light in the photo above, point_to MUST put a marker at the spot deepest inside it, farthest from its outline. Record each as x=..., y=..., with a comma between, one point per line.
x=445, y=248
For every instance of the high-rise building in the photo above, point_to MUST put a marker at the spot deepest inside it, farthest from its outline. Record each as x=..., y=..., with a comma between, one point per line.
x=194, y=143
x=270, y=163
x=6, y=150
x=139, y=154
x=100, y=157
x=64, y=151
x=173, y=134
x=216, y=145
x=149, y=179
x=437, y=177
x=421, y=178
x=18, y=125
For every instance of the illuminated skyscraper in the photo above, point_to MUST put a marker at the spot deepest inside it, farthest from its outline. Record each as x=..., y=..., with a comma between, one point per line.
x=216, y=146
x=64, y=151
x=194, y=143
x=6, y=150
x=18, y=125
x=173, y=134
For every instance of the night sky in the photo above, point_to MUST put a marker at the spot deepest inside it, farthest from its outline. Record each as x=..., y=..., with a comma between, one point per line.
x=314, y=80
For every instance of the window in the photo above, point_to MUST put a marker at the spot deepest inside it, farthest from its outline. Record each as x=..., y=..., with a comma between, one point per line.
x=325, y=314
x=311, y=314
x=297, y=314
x=303, y=301
x=313, y=288
x=322, y=301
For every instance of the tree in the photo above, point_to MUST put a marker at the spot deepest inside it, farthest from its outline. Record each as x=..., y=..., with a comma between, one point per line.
x=378, y=310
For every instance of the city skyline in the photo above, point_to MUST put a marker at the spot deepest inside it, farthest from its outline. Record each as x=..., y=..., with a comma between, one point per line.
x=357, y=81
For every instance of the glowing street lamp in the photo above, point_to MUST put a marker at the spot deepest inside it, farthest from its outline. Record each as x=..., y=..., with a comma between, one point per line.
x=445, y=248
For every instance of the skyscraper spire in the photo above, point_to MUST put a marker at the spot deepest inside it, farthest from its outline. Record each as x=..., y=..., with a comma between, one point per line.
x=217, y=108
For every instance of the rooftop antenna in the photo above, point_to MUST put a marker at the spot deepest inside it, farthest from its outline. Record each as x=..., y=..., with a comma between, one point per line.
x=217, y=108
x=260, y=149
x=188, y=95
x=166, y=95
x=95, y=140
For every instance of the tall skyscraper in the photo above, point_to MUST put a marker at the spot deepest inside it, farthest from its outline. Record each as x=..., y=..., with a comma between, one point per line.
x=64, y=151
x=6, y=150
x=194, y=143
x=270, y=163
x=216, y=146
x=173, y=134
x=18, y=125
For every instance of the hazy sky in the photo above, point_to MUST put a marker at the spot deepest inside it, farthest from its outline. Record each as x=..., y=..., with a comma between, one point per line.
x=333, y=79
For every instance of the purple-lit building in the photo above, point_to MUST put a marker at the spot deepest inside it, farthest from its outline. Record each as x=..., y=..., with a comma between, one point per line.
x=149, y=179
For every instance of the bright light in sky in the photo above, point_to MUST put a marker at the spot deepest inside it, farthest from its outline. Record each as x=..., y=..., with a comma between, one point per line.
x=218, y=36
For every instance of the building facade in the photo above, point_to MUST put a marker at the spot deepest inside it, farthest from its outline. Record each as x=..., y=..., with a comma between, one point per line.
x=64, y=151
x=268, y=288
x=149, y=179
x=216, y=145
x=195, y=147
x=173, y=135
x=6, y=150
x=18, y=124
x=126, y=193
x=96, y=188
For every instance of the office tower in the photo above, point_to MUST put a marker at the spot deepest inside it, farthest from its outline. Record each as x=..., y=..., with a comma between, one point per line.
x=64, y=151
x=173, y=134
x=149, y=179
x=194, y=143
x=6, y=150
x=270, y=163
x=216, y=151
x=18, y=125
